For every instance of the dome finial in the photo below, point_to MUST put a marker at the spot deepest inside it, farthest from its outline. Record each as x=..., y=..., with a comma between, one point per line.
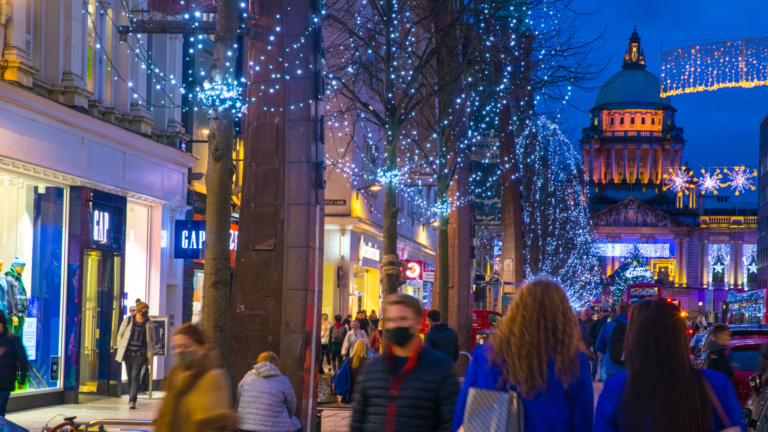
x=634, y=58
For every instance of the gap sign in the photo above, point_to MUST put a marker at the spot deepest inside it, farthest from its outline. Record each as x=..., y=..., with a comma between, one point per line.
x=189, y=239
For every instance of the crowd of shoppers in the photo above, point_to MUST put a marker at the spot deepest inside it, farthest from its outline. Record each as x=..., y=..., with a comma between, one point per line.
x=534, y=372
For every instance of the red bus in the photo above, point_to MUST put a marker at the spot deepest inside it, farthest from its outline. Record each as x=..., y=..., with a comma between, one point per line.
x=641, y=291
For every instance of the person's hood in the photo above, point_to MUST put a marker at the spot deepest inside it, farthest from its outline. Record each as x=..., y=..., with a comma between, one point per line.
x=622, y=317
x=714, y=345
x=440, y=327
x=266, y=370
x=12, y=272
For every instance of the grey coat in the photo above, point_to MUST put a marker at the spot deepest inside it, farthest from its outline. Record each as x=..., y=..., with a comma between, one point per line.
x=265, y=401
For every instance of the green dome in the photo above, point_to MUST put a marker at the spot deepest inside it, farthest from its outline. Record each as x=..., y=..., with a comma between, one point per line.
x=633, y=87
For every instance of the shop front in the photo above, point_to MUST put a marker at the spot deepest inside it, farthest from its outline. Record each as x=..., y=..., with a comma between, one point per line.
x=189, y=244
x=365, y=293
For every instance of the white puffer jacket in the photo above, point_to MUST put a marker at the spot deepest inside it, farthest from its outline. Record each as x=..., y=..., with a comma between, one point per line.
x=265, y=401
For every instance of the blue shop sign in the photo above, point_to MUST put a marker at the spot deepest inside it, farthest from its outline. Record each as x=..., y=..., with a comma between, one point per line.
x=189, y=239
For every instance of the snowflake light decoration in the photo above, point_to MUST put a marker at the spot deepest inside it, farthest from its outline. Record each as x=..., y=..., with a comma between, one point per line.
x=711, y=182
x=222, y=95
x=679, y=180
x=740, y=179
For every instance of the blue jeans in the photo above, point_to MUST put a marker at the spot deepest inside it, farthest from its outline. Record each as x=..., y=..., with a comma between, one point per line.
x=595, y=362
x=4, y=396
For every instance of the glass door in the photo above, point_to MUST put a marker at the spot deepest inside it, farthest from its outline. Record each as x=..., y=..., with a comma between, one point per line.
x=99, y=314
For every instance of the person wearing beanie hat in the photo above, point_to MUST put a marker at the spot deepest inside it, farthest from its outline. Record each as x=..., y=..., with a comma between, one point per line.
x=13, y=363
x=135, y=341
x=18, y=304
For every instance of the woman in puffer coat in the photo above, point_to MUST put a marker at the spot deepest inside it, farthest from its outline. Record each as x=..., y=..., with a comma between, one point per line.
x=265, y=399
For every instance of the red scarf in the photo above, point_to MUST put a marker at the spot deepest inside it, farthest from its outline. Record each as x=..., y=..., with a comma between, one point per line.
x=396, y=381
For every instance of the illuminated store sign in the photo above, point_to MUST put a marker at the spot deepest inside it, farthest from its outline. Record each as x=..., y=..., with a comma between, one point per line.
x=100, y=226
x=660, y=250
x=189, y=239
x=368, y=250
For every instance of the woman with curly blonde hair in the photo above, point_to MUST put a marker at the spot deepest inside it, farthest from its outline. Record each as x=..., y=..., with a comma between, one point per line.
x=538, y=353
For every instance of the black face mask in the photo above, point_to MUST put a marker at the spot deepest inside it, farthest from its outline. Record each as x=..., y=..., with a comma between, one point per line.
x=144, y=313
x=400, y=336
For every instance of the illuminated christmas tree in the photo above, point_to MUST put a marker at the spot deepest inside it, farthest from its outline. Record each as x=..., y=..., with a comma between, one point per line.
x=633, y=269
x=558, y=234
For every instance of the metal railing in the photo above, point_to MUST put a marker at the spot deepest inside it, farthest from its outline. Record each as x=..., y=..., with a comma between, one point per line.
x=729, y=221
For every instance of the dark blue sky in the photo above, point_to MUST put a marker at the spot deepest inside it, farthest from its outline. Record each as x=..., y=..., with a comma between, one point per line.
x=721, y=127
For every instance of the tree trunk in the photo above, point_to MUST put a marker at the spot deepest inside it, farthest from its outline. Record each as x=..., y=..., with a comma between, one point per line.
x=443, y=262
x=218, y=182
x=511, y=209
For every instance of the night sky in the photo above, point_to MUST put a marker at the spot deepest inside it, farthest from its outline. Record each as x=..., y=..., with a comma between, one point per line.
x=721, y=127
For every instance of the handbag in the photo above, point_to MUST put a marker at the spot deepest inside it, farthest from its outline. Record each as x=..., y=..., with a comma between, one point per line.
x=719, y=408
x=493, y=411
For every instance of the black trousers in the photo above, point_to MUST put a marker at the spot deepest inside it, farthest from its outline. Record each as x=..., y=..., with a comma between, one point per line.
x=133, y=366
x=325, y=354
x=336, y=359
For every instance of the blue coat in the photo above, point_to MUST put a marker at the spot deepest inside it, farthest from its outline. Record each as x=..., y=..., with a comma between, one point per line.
x=608, y=416
x=602, y=343
x=558, y=409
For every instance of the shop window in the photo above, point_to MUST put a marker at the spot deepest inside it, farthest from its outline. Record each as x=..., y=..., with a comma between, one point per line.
x=32, y=233
x=329, y=288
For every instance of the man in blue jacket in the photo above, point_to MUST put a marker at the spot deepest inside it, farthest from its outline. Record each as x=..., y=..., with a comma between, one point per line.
x=610, y=367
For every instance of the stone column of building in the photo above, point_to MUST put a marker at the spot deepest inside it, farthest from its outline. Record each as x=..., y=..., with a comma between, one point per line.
x=585, y=155
x=732, y=265
x=704, y=262
x=678, y=260
x=684, y=264
x=603, y=176
x=649, y=166
x=613, y=165
x=671, y=158
x=738, y=264
x=659, y=165
x=277, y=289
x=637, y=163
x=625, y=168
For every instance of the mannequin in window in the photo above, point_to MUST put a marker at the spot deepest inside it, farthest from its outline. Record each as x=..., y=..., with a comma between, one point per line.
x=4, y=293
x=18, y=304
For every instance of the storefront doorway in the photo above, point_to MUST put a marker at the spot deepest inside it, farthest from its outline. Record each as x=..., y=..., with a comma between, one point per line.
x=100, y=311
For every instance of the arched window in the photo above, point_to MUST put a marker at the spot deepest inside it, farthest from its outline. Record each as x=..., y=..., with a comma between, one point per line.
x=642, y=120
x=653, y=120
x=621, y=120
x=612, y=121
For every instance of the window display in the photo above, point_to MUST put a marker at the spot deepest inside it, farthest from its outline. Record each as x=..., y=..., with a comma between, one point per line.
x=31, y=245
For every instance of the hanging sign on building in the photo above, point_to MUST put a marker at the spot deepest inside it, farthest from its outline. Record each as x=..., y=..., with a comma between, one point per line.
x=189, y=240
x=636, y=271
x=429, y=272
x=415, y=269
x=369, y=250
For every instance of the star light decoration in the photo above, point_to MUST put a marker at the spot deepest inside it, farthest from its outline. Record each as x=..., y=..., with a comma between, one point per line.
x=711, y=182
x=739, y=177
x=680, y=181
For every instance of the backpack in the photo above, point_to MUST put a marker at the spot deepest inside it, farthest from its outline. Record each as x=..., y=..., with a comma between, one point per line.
x=342, y=380
x=616, y=343
x=337, y=335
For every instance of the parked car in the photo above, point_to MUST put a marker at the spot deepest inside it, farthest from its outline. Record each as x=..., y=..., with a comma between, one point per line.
x=481, y=320
x=738, y=332
x=744, y=356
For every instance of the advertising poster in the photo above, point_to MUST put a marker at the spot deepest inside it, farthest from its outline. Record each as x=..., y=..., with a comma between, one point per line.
x=29, y=335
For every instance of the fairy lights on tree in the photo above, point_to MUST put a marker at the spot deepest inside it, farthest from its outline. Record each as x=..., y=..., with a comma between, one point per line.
x=558, y=233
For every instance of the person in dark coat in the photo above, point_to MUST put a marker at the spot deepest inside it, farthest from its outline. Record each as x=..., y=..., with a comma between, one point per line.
x=13, y=363
x=441, y=337
x=763, y=364
x=365, y=325
x=717, y=358
x=410, y=387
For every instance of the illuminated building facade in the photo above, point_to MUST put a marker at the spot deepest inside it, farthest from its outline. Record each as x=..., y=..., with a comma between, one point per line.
x=699, y=247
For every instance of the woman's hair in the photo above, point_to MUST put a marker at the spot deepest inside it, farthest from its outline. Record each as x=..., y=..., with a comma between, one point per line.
x=373, y=314
x=192, y=332
x=539, y=327
x=360, y=352
x=656, y=351
x=268, y=356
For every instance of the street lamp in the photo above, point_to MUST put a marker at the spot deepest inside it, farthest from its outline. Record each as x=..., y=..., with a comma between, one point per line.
x=374, y=187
